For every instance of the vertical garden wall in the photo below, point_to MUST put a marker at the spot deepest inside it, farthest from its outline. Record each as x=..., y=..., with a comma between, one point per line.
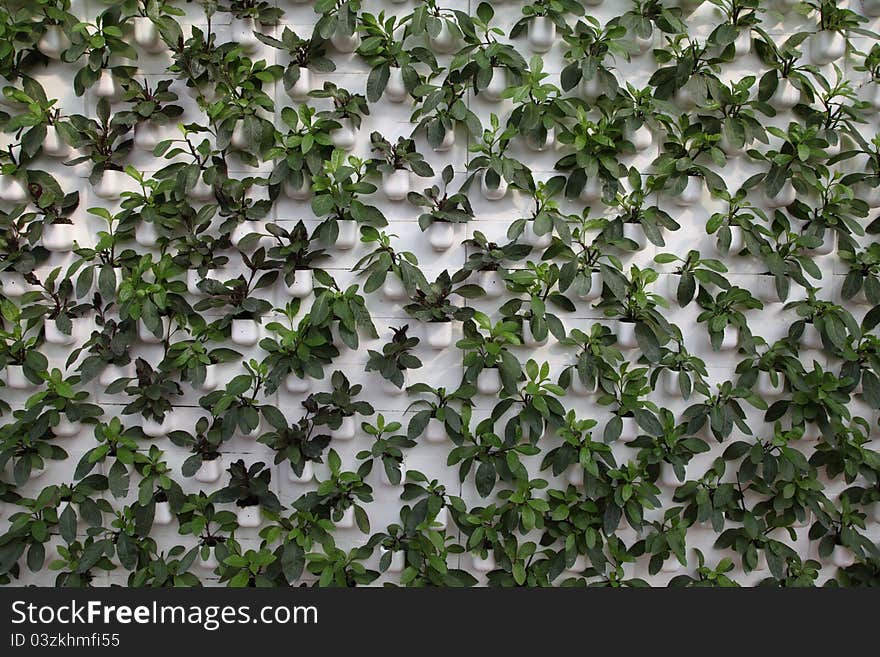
x=439, y=293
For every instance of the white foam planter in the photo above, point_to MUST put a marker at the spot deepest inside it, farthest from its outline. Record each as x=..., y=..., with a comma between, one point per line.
x=542, y=34
x=146, y=35
x=53, y=42
x=445, y=40
x=435, y=432
x=743, y=43
x=193, y=278
x=146, y=336
x=398, y=561
x=16, y=379
x=737, y=240
x=729, y=148
x=303, y=85
x=482, y=565
x=826, y=47
x=348, y=234
x=691, y=194
x=579, y=565
x=842, y=557
x=108, y=86
x=210, y=382
x=529, y=340
x=162, y=514
x=636, y=233
x=209, y=471
x=347, y=519
x=447, y=142
x=155, y=428
x=595, y=290
x=112, y=184
x=786, y=95
x=492, y=283
x=533, y=239
x=302, y=285
x=828, y=245
x=65, y=428
x=393, y=288
x=765, y=385
x=391, y=389
x=592, y=191
x=296, y=385
x=55, y=336
x=395, y=185
x=574, y=475
x=111, y=373
x=344, y=43
x=12, y=190
x=439, y=334
x=784, y=197
x=238, y=140
x=537, y=145
x=626, y=335
x=590, y=88
x=497, y=85
x=667, y=476
x=669, y=381
x=671, y=565
x=395, y=89
x=147, y=134
x=14, y=284
x=493, y=193
x=245, y=332
x=307, y=475
x=346, y=430
x=730, y=339
x=578, y=388
x=59, y=238
x=345, y=136
x=242, y=33
x=210, y=563
x=489, y=381
x=53, y=145
x=242, y=230
x=300, y=193
x=630, y=430
x=684, y=98
x=811, y=338
x=442, y=519
x=249, y=517
x=441, y=235
x=642, y=138
x=766, y=289
x=387, y=482
x=201, y=191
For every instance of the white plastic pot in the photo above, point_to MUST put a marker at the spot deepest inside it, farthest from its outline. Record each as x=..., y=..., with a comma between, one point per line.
x=811, y=338
x=730, y=338
x=245, y=332
x=112, y=184
x=493, y=193
x=296, y=385
x=53, y=42
x=444, y=42
x=53, y=145
x=642, y=138
x=307, y=475
x=108, y=86
x=393, y=288
x=16, y=379
x=147, y=134
x=784, y=197
x=489, y=381
x=59, y=238
x=595, y=290
x=435, y=432
x=441, y=235
x=65, y=428
x=348, y=234
x=146, y=234
x=201, y=191
x=347, y=519
x=209, y=471
x=210, y=563
x=826, y=47
x=669, y=381
x=842, y=557
x=533, y=239
x=439, y=334
x=626, y=335
x=55, y=336
x=387, y=482
x=346, y=430
x=395, y=89
x=242, y=33
x=302, y=285
x=691, y=194
x=447, y=142
x=630, y=430
x=737, y=240
x=303, y=85
x=743, y=43
x=391, y=389
x=146, y=35
x=12, y=190
x=238, y=140
x=497, y=85
x=529, y=340
x=345, y=136
x=298, y=193
x=635, y=233
x=162, y=515
x=193, y=278
x=155, y=428
x=242, y=230
x=482, y=565
x=667, y=476
x=396, y=185
x=398, y=561
x=729, y=148
x=869, y=194
x=590, y=88
x=210, y=382
x=111, y=373
x=14, y=284
x=542, y=34
x=537, y=144
x=442, y=519
x=249, y=517
x=492, y=283
x=671, y=565
x=766, y=289
x=146, y=336
x=343, y=42
x=828, y=245
x=592, y=190
x=579, y=388
x=786, y=95
x=765, y=385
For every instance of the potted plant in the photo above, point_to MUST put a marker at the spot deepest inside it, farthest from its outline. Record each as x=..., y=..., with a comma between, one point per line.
x=488, y=361
x=495, y=169
x=829, y=42
x=151, y=109
x=443, y=211
x=249, y=488
x=106, y=146
x=541, y=20
x=348, y=110
x=303, y=151
x=295, y=259
x=438, y=418
x=488, y=260
x=339, y=407
x=431, y=304
x=394, y=162
x=539, y=107
x=249, y=18
x=537, y=283
x=306, y=55
x=395, y=359
x=392, y=73
x=244, y=309
x=339, y=23
x=385, y=260
x=636, y=221
x=680, y=372
x=724, y=316
x=153, y=392
x=596, y=356
x=387, y=448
